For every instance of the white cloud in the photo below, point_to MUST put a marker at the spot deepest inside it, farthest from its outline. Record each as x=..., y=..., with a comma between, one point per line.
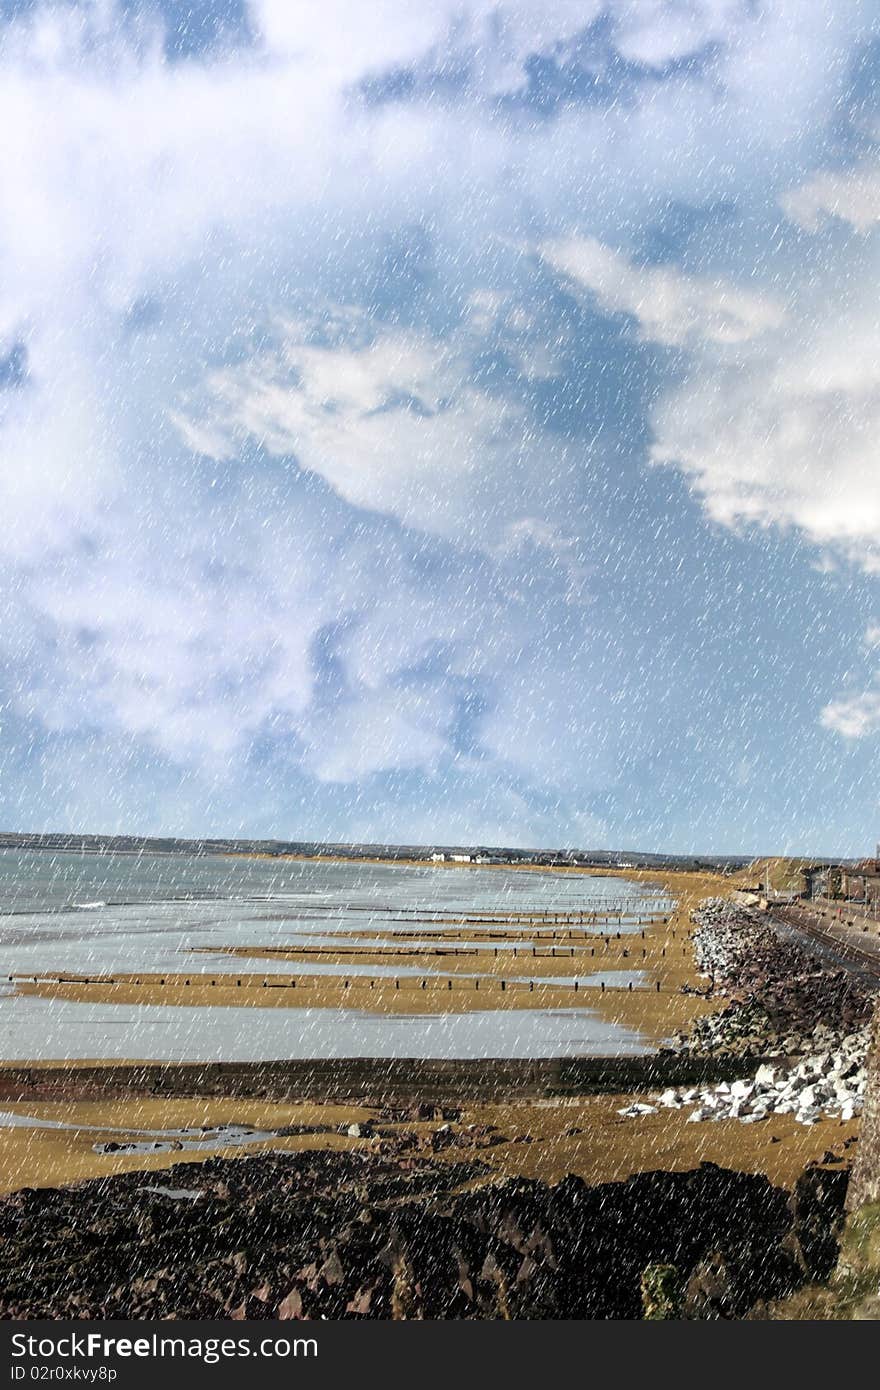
x=852, y=196
x=496, y=36
x=656, y=32
x=854, y=716
x=474, y=809
x=670, y=307
x=392, y=421
x=783, y=433
x=761, y=446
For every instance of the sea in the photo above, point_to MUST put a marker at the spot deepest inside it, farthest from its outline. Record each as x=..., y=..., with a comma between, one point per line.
x=99, y=914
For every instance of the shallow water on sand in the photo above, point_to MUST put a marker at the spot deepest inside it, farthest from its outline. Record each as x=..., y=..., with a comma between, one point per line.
x=102, y=914
x=52, y=1029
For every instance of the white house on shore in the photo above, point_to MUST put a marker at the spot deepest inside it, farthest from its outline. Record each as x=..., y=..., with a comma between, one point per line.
x=438, y=857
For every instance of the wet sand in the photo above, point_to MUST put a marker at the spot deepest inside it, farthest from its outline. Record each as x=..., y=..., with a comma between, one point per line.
x=544, y=1139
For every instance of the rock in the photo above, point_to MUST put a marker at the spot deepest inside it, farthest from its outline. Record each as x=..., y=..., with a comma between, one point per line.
x=741, y=1090
x=327, y=1235
x=671, y=1099
x=710, y=1291
x=786, y=1000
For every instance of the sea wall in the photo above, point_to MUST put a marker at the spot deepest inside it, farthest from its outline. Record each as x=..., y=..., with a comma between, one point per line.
x=864, y=1186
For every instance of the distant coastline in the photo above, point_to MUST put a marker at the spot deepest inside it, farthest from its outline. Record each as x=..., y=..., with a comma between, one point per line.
x=62, y=842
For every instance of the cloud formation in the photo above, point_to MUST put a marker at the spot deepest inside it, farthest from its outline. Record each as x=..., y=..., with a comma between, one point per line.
x=317, y=483
x=669, y=307
x=393, y=419
x=854, y=717
x=784, y=433
x=852, y=196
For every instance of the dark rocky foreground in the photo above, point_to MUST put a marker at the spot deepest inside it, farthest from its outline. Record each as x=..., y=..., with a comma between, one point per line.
x=348, y=1235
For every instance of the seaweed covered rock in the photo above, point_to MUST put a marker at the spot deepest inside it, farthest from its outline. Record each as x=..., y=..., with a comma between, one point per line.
x=355, y=1235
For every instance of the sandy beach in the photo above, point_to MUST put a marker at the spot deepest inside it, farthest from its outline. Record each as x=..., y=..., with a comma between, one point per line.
x=472, y=971
x=586, y=1136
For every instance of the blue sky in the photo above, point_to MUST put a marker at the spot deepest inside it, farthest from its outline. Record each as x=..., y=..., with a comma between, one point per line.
x=442, y=421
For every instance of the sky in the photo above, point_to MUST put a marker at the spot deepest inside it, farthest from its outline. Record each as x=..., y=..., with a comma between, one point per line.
x=442, y=421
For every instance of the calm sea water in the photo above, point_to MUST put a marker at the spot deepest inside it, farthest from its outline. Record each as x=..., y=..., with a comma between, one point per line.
x=105, y=913
x=36, y=881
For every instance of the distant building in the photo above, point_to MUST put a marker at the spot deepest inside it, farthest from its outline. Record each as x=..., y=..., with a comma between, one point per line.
x=816, y=880
x=852, y=883
x=461, y=858
x=861, y=883
x=438, y=858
